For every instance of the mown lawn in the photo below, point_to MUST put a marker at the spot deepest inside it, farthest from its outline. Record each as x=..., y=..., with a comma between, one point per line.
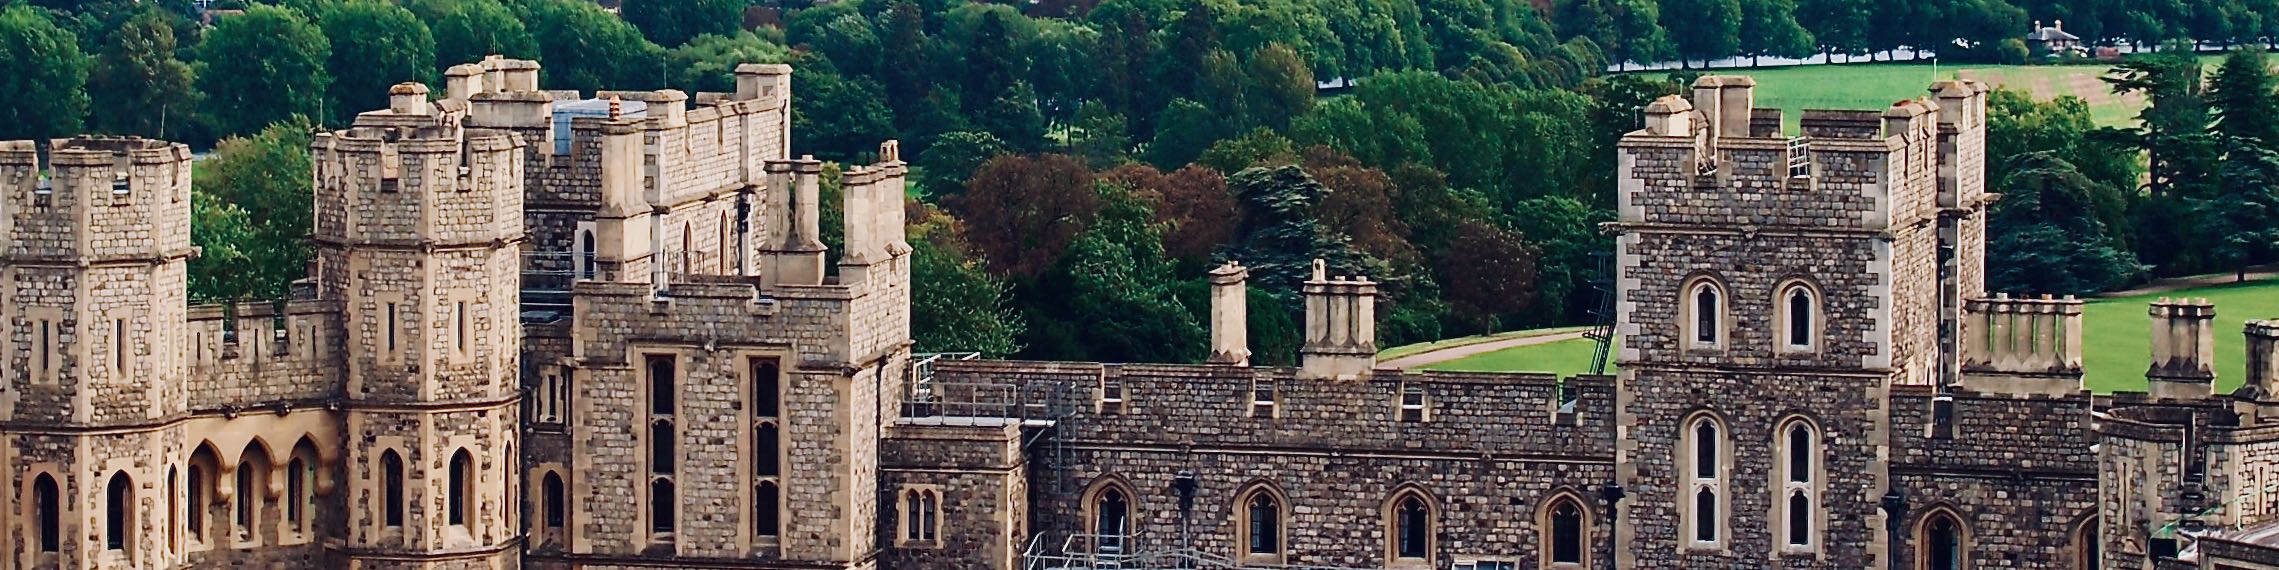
x=2116, y=340
x=1877, y=85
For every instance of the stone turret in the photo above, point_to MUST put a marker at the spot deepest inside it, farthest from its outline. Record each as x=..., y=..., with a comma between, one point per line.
x=1230, y=318
x=2023, y=346
x=2183, y=349
x=1341, y=326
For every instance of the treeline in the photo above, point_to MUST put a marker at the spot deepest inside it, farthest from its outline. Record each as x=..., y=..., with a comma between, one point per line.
x=2192, y=188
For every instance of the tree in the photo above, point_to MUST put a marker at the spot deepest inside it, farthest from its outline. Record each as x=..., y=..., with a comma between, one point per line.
x=954, y=304
x=1191, y=205
x=589, y=49
x=1023, y=212
x=375, y=45
x=267, y=177
x=1259, y=147
x=223, y=232
x=262, y=67
x=1839, y=26
x=2245, y=97
x=1487, y=271
x=839, y=117
x=1703, y=29
x=1279, y=87
x=467, y=30
x=1768, y=27
x=675, y=22
x=1119, y=304
x=2062, y=128
x=708, y=63
x=945, y=168
x=138, y=84
x=2240, y=219
x=44, y=74
x=1638, y=34
x=1281, y=231
x=2173, y=128
x=1182, y=132
x=2044, y=235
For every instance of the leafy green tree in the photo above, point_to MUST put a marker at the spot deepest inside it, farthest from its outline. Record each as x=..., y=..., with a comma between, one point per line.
x=2242, y=219
x=2245, y=98
x=1703, y=29
x=1279, y=87
x=1259, y=147
x=375, y=45
x=1183, y=131
x=2044, y=235
x=708, y=63
x=2017, y=126
x=955, y=305
x=262, y=67
x=1101, y=136
x=467, y=30
x=675, y=22
x=138, y=84
x=947, y=166
x=1839, y=26
x=267, y=178
x=589, y=49
x=1119, y=298
x=902, y=66
x=1638, y=35
x=223, y=232
x=1769, y=27
x=45, y=75
x=1192, y=206
x=1281, y=233
x=2173, y=128
x=839, y=117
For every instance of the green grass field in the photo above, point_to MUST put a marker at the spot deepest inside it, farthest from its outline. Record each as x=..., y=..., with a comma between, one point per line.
x=1877, y=85
x=2116, y=340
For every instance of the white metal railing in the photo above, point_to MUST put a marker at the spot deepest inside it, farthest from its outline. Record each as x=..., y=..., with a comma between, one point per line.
x=1131, y=552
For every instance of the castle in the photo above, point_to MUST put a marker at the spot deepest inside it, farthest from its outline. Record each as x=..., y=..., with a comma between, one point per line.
x=556, y=330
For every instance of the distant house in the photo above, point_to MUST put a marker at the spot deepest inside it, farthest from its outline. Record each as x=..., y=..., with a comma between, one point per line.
x=2052, y=40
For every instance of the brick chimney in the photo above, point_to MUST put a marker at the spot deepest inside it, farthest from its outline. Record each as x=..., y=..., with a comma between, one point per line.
x=2183, y=349
x=1230, y=315
x=1341, y=326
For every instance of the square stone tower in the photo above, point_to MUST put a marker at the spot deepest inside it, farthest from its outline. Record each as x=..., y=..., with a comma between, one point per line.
x=1773, y=289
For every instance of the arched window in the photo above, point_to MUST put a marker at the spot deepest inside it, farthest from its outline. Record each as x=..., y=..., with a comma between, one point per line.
x=2087, y=553
x=1702, y=318
x=768, y=502
x=392, y=488
x=551, y=492
x=297, y=475
x=47, y=506
x=688, y=245
x=1113, y=514
x=462, y=484
x=1705, y=458
x=767, y=391
x=118, y=511
x=198, y=502
x=661, y=506
x=1566, y=540
x=1261, y=526
x=247, y=499
x=1942, y=542
x=173, y=510
x=1797, y=473
x=1412, y=528
x=727, y=244
x=586, y=254
x=921, y=516
x=661, y=385
x=1799, y=318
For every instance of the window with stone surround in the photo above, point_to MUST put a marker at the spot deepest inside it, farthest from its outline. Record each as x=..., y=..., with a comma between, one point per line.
x=767, y=447
x=661, y=510
x=1410, y=527
x=768, y=500
x=297, y=478
x=392, y=488
x=173, y=510
x=462, y=488
x=588, y=252
x=1564, y=525
x=1111, y=395
x=550, y=398
x=1262, y=395
x=1108, y=513
x=664, y=458
x=1703, y=456
x=1796, y=477
x=247, y=500
x=47, y=509
x=1484, y=564
x=1797, y=317
x=919, y=517
x=1260, y=516
x=118, y=511
x=195, y=511
x=1414, y=402
x=551, y=498
x=1701, y=314
x=2087, y=552
x=1942, y=542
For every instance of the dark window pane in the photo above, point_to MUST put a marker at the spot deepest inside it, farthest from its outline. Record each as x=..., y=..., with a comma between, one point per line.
x=1567, y=533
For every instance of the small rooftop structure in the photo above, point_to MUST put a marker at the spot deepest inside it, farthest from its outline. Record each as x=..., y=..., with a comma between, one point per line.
x=2052, y=39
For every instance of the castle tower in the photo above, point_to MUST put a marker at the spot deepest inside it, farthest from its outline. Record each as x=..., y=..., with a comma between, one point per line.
x=94, y=267
x=1773, y=290
x=418, y=228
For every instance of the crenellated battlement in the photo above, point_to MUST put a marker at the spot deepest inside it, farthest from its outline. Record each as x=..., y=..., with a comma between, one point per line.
x=2022, y=345
x=96, y=199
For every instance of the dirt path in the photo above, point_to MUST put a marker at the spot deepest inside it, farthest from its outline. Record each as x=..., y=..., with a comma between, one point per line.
x=2256, y=273
x=1431, y=357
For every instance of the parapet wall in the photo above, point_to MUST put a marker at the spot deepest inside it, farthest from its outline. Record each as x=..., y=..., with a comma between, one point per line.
x=257, y=360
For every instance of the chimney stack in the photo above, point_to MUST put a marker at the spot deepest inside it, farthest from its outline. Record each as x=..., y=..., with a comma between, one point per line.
x=792, y=253
x=408, y=99
x=463, y=82
x=2183, y=349
x=1341, y=327
x=2022, y=346
x=2263, y=355
x=1669, y=116
x=1230, y=315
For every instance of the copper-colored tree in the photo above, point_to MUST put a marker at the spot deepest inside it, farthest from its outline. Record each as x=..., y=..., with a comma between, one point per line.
x=1487, y=271
x=1192, y=205
x=1022, y=212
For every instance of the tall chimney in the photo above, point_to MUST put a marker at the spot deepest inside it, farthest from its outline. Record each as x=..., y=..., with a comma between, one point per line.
x=2263, y=355
x=2022, y=346
x=1709, y=97
x=1230, y=315
x=792, y=253
x=2183, y=349
x=1341, y=327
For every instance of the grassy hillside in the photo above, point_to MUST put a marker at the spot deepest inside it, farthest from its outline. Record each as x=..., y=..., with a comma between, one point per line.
x=2116, y=339
x=1876, y=85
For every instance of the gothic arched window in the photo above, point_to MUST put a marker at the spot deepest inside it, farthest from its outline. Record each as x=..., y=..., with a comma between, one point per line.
x=118, y=511
x=462, y=485
x=1262, y=522
x=551, y=493
x=1942, y=542
x=1412, y=527
x=1702, y=314
x=1566, y=543
x=1798, y=471
x=1705, y=481
x=47, y=506
x=1797, y=325
x=392, y=488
